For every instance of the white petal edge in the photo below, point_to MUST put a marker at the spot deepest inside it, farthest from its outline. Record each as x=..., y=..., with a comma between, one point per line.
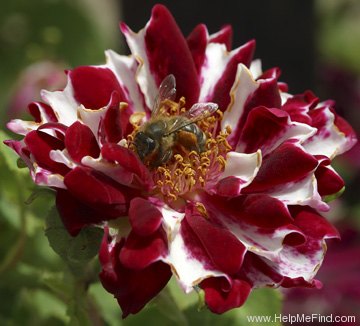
x=242, y=166
x=136, y=43
x=63, y=104
x=330, y=142
x=124, y=68
x=243, y=87
x=256, y=68
x=303, y=193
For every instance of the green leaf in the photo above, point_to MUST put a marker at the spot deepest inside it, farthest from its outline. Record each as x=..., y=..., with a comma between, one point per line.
x=81, y=248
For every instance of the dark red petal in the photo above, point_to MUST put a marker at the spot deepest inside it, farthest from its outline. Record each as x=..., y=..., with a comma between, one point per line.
x=74, y=214
x=244, y=55
x=272, y=73
x=267, y=94
x=298, y=106
x=127, y=160
x=197, y=41
x=329, y=182
x=168, y=53
x=139, y=252
x=288, y=163
x=34, y=109
x=93, y=86
x=300, y=282
x=133, y=289
x=318, y=118
x=144, y=217
x=312, y=223
x=80, y=142
x=224, y=36
x=263, y=126
x=112, y=125
x=40, y=144
x=229, y=187
x=223, y=248
x=97, y=191
x=260, y=210
x=218, y=300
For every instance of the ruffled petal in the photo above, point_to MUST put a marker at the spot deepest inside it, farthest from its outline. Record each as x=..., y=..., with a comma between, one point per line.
x=62, y=103
x=97, y=191
x=93, y=86
x=40, y=144
x=159, y=48
x=214, y=239
x=328, y=140
x=217, y=83
x=220, y=296
x=240, y=171
x=288, y=163
x=266, y=129
x=263, y=224
x=141, y=251
x=132, y=288
x=75, y=214
x=187, y=258
x=125, y=70
x=243, y=87
x=80, y=142
x=224, y=36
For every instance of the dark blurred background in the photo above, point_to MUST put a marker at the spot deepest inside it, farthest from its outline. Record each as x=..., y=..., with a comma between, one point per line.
x=284, y=30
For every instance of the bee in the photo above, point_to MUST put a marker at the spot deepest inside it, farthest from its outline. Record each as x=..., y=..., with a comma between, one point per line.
x=163, y=136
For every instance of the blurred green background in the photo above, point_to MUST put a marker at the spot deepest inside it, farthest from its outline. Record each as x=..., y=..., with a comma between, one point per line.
x=41, y=38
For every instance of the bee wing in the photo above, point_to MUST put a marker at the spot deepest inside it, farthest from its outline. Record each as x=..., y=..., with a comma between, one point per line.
x=201, y=111
x=197, y=112
x=167, y=91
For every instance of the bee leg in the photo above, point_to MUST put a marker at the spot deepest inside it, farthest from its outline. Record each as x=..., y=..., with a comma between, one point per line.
x=201, y=139
x=162, y=158
x=167, y=155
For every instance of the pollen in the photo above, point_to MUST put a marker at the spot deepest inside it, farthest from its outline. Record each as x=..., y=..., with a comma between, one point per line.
x=187, y=173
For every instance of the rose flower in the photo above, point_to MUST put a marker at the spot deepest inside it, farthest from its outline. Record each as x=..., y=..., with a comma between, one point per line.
x=229, y=202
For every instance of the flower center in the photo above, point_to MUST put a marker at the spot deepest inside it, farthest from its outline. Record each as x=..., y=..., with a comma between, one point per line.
x=189, y=171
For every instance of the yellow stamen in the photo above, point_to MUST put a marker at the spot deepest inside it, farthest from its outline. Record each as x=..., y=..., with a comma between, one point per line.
x=185, y=173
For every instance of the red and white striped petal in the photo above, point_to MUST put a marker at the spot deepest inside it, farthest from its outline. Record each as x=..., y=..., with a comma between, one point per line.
x=243, y=87
x=261, y=223
x=63, y=104
x=240, y=171
x=144, y=78
x=303, y=261
x=266, y=129
x=303, y=192
x=188, y=270
x=328, y=140
x=218, y=73
x=125, y=70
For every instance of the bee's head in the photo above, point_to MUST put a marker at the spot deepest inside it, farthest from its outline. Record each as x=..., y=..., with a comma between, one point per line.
x=145, y=145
